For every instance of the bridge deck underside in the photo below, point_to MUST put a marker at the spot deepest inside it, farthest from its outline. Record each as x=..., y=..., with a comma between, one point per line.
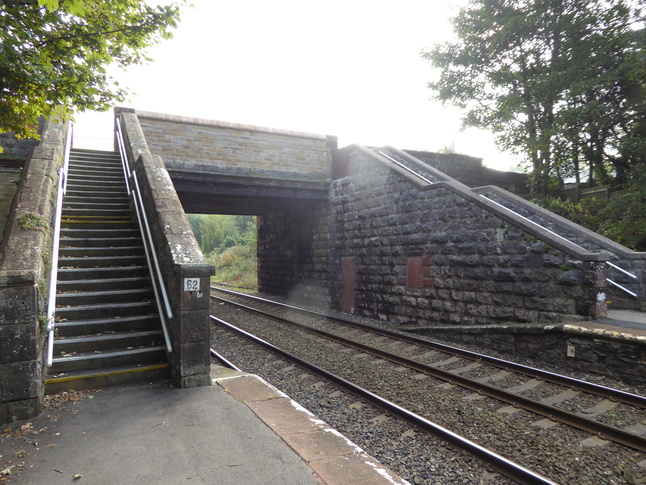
x=243, y=196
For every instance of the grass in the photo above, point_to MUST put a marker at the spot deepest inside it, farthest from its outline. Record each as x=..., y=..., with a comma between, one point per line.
x=236, y=266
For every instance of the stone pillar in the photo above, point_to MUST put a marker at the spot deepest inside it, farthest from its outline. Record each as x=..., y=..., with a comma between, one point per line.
x=595, y=290
x=190, y=325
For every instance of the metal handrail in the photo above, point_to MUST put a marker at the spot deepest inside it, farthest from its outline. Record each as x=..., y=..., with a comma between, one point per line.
x=134, y=192
x=408, y=169
x=613, y=283
x=53, y=274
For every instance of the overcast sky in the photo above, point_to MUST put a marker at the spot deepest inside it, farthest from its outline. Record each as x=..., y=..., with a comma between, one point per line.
x=349, y=68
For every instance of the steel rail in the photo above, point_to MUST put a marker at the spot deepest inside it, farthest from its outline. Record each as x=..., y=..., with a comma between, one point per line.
x=590, y=387
x=503, y=465
x=224, y=360
x=602, y=430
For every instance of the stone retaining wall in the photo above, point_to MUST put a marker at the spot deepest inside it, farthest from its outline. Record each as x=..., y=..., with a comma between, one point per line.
x=423, y=255
x=263, y=151
x=566, y=346
x=470, y=266
x=294, y=255
x=185, y=273
x=25, y=254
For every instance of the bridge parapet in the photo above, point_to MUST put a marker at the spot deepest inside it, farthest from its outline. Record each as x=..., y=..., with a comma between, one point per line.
x=186, y=275
x=237, y=149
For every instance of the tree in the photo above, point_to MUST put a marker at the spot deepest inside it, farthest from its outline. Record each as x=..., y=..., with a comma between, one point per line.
x=558, y=81
x=54, y=55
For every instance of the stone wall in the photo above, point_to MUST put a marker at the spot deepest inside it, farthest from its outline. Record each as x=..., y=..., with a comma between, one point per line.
x=15, y=149
x=25, y=255
x=185, y=273
x=472, y=267
x=236, y=148
x=469, y=171
x=293, y=255
x=567, y=346
x=425, y=255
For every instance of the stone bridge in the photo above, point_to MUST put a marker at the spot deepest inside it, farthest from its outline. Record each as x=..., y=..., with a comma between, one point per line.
x=408, y=238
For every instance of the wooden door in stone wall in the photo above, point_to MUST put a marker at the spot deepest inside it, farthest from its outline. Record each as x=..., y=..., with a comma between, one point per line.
x=347, y=285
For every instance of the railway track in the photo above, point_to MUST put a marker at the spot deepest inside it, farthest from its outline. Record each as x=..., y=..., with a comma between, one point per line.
x=466, y=377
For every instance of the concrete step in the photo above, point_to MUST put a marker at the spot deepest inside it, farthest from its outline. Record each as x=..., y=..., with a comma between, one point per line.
x=108, y=358
x=89, y=190
x=102, y=261
x=100, y=207
x=106, y=310
x=104, y=284
x=106, y=376
x=100, y=233
x=89, y=224
x=88, y=298
x=108, y=341
x=69, y=274
x=96, y=200
x=82, y=252
x=103, y=324
x=82, y=173
x=119, y=212
x=90, y=242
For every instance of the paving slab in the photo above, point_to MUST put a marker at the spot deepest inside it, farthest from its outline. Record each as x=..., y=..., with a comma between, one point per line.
x=241, y=430
x=152, y=434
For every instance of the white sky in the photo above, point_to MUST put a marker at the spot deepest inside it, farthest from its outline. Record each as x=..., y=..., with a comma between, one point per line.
x=349, y=68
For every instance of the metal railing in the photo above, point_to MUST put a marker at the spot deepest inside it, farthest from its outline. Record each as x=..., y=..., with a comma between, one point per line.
x=612, y=265
x=526, y=219
x=132, y=185
x=53, y=274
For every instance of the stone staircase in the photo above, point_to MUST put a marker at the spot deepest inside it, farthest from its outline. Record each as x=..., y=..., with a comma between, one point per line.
x=107, y=325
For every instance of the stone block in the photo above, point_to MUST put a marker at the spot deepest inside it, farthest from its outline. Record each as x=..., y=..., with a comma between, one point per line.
x=195, y=357
x=18, y=343
x=195, y=326
x=20, y=381
x=190, y=297
x=20, y=410
x=18, y=305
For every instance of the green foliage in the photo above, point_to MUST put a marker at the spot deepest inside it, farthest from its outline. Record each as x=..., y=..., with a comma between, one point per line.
x=237, y=266
x=220, y=232
x=54, y=54
x=620, y=219
x=33, y=222
x=559, y=82
x=586, y=213
x=229, y=243
x=624, y=218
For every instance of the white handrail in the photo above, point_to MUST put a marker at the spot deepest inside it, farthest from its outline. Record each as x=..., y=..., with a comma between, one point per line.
x=151, y=256
x=571, y=242
x=53, y=274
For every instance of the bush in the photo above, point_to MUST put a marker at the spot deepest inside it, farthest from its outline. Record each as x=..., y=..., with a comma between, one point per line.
x=236, y=266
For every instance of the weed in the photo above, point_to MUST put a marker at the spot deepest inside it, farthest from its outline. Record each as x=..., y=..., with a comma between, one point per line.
x=33, y=222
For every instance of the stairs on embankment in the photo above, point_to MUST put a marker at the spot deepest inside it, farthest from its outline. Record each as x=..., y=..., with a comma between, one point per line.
x=107, y=326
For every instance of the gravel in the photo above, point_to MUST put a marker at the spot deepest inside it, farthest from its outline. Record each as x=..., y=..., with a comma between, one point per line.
x=555, y=451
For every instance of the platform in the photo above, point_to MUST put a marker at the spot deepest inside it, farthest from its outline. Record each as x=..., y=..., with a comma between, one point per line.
x=240, y=430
